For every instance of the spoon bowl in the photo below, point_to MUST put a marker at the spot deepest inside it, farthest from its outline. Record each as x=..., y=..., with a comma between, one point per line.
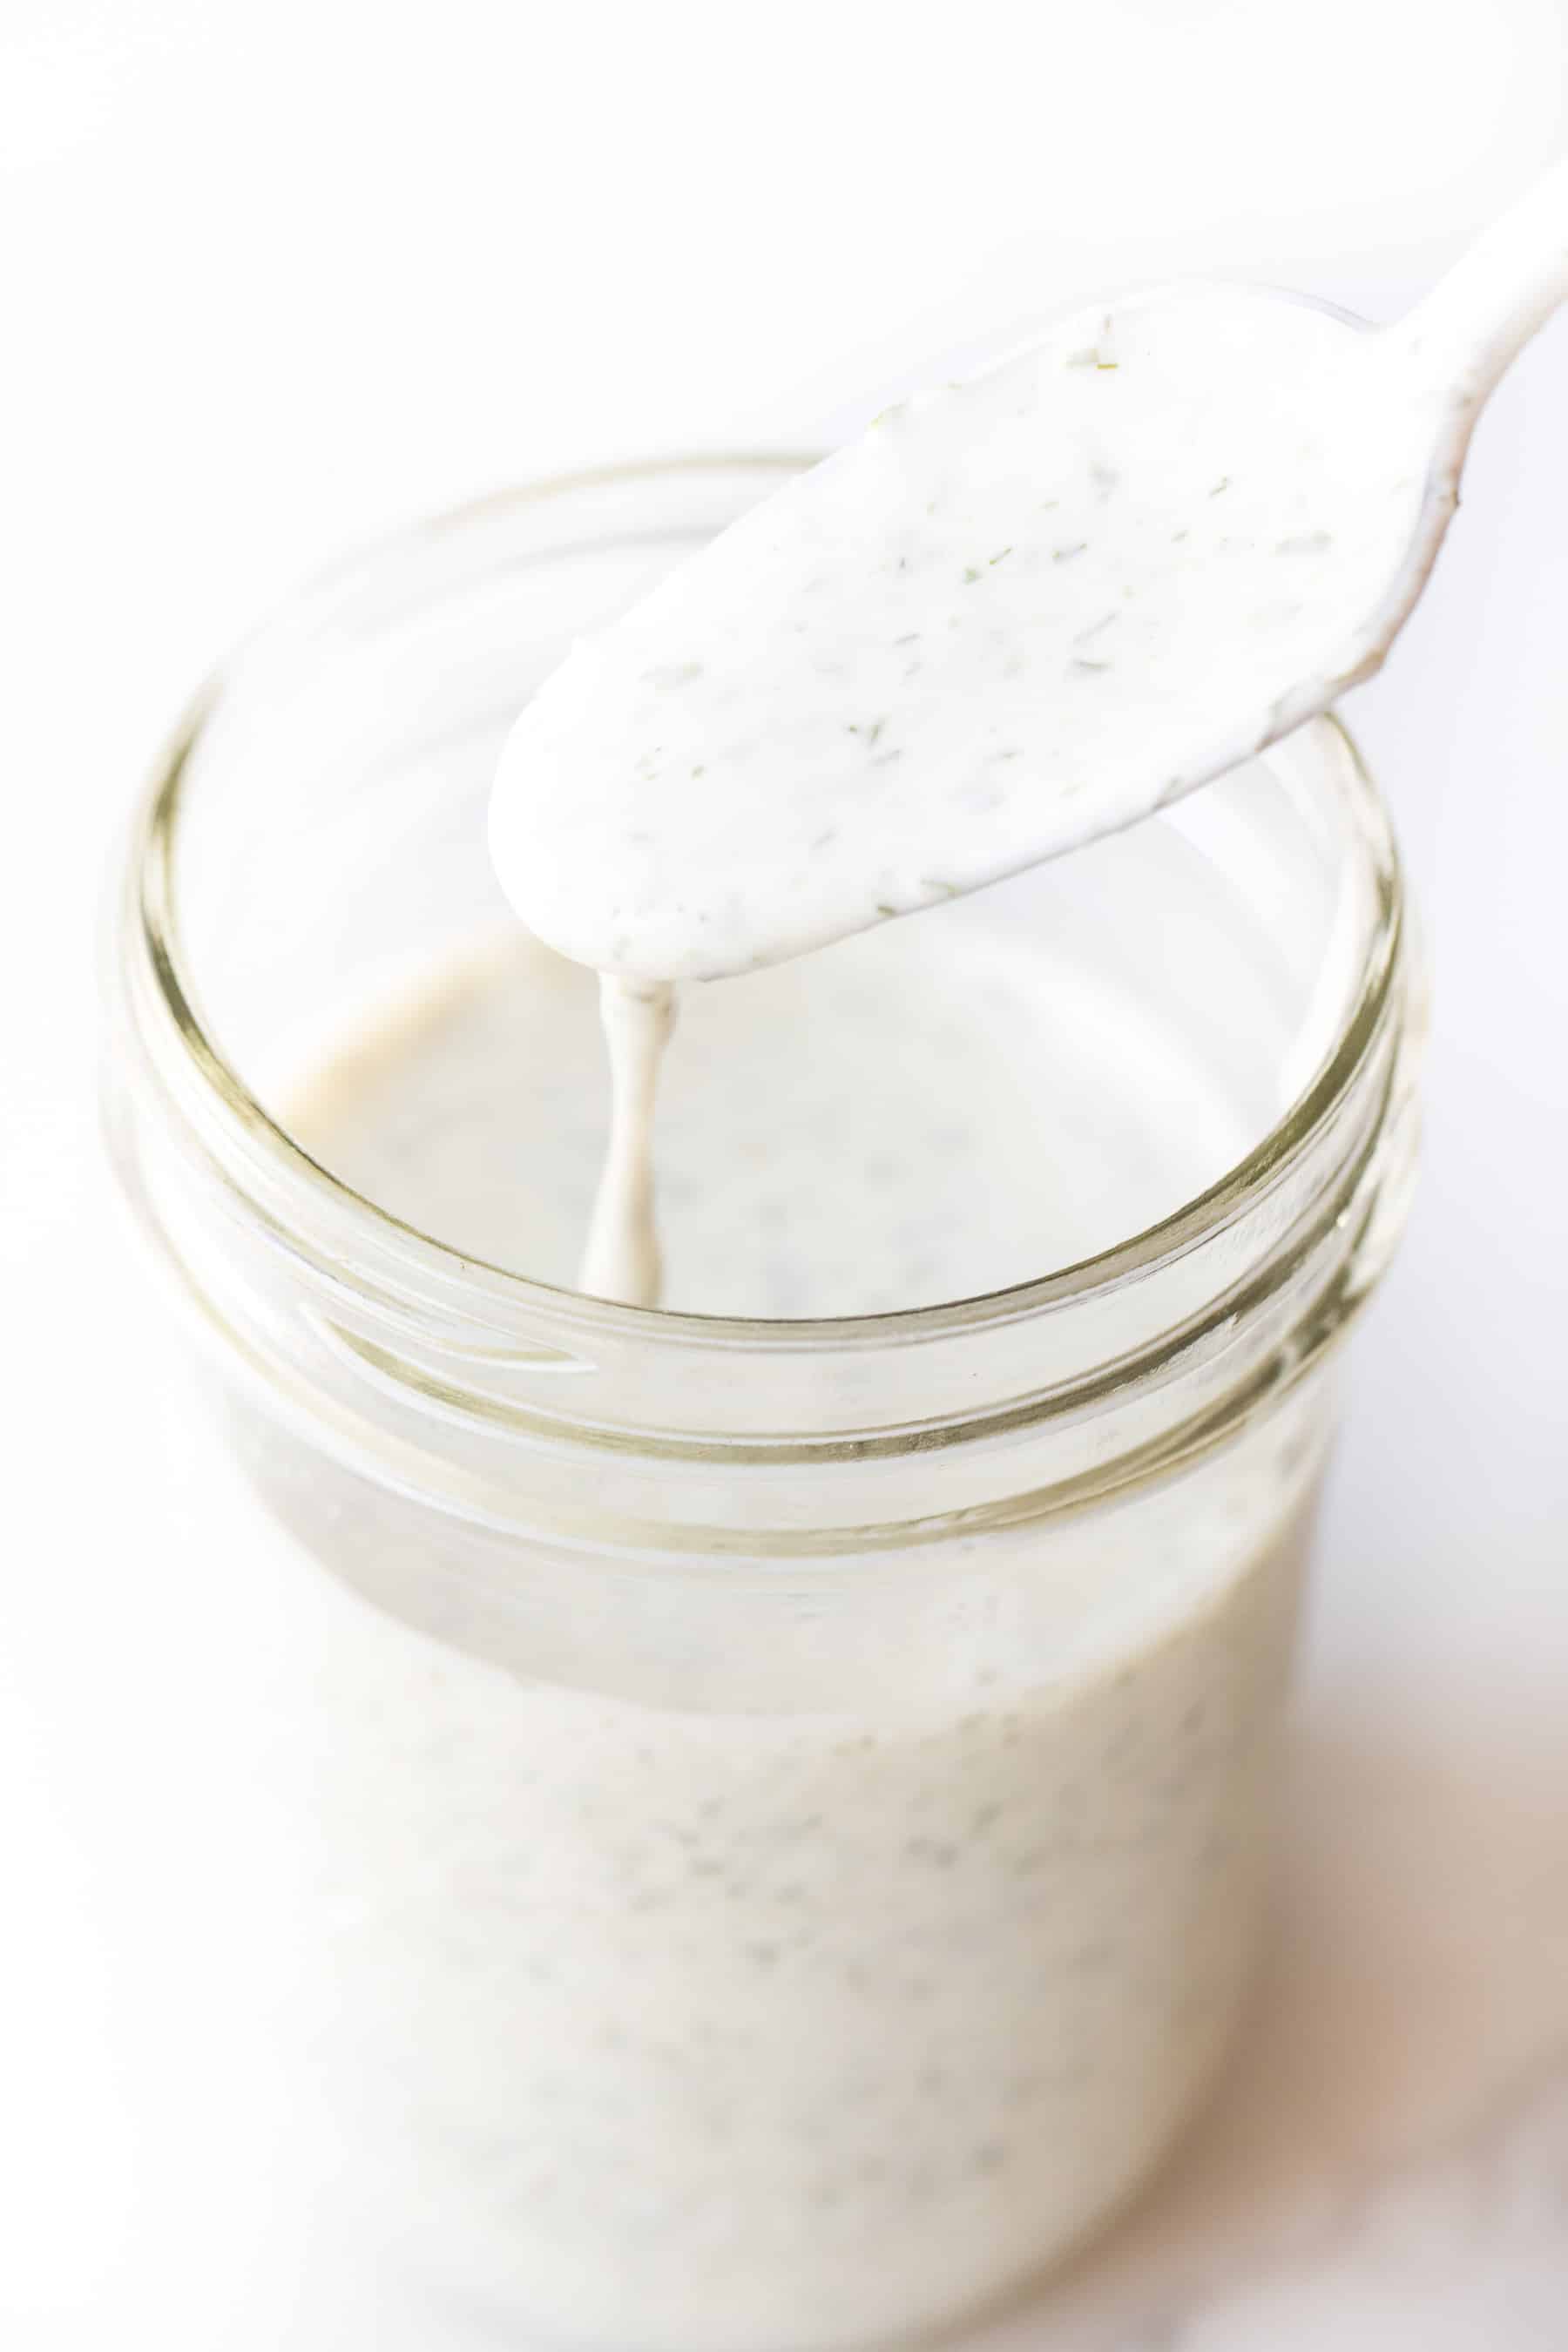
x=1019, y=613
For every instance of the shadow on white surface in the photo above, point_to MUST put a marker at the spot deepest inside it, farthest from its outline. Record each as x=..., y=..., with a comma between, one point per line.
x=1361, y=2168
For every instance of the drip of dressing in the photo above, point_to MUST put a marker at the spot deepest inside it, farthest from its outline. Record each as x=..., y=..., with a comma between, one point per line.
x=621, y=1257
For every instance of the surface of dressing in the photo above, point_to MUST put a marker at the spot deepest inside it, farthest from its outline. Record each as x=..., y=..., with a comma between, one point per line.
x=929, y=1111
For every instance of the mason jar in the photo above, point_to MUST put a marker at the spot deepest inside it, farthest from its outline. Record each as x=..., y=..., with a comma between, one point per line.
x=795, y=1793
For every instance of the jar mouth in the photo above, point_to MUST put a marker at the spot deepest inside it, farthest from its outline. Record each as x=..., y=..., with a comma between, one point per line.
x=259, y=1155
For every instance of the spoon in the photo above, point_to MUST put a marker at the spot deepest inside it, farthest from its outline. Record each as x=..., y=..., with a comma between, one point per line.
x=1017, y=613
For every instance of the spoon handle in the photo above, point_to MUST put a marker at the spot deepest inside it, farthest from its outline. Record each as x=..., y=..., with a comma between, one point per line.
x=1478, y=319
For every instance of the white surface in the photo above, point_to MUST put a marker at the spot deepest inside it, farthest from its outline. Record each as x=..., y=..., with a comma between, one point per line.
x=279, y=276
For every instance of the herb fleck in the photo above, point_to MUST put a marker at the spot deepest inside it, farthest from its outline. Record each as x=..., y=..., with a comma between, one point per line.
x=970, y=575
x=1223, y=483
x=1064, y=555
x=1001, y=551
x=1095, y=627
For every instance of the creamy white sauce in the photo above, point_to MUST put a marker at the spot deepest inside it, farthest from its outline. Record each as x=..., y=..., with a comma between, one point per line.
x=1014, y=616
x=621, y=1258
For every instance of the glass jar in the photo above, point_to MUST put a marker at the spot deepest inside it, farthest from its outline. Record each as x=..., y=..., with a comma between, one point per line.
x=796, y=1793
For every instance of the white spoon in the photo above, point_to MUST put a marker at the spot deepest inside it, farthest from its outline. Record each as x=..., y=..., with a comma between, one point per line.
x=1016, y=614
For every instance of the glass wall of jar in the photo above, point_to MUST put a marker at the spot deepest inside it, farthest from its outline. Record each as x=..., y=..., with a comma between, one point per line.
x=796, y=1791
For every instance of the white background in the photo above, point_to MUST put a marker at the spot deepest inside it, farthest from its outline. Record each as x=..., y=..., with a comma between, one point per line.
x=278, y=276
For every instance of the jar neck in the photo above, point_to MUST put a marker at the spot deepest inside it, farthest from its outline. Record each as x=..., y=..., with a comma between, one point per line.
x=509, y=1402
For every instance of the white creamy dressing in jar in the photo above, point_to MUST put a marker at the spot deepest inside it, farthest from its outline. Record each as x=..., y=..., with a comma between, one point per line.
x=728, y=2028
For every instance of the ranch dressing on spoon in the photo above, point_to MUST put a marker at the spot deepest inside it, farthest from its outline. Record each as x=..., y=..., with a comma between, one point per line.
x=1016, y=615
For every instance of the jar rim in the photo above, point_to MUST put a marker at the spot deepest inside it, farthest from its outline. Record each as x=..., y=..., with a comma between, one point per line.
x=245, y=1133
